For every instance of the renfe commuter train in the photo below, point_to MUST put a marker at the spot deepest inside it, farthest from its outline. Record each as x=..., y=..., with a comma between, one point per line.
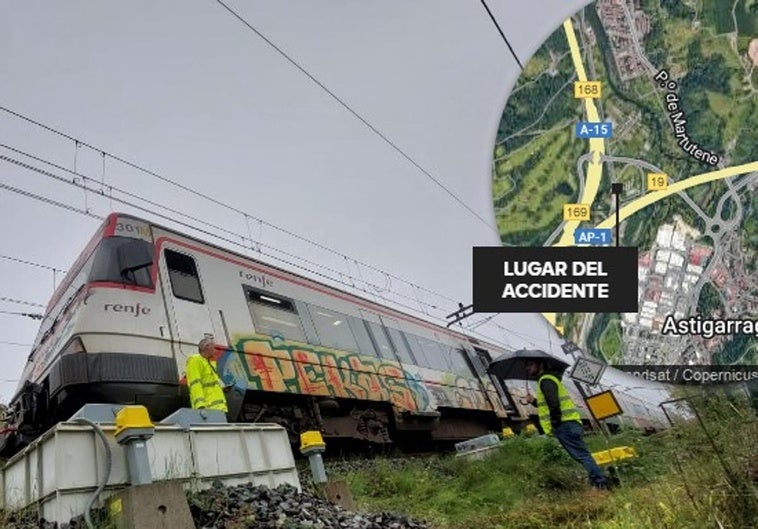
x=139, y=298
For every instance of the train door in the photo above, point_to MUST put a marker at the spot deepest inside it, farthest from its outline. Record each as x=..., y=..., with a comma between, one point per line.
x=481, y=360
x=187, y=301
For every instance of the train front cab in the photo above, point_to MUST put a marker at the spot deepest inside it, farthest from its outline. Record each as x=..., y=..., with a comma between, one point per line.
x=104, y=337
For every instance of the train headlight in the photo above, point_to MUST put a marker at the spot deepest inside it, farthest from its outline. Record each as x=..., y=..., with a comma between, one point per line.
x=74, y=346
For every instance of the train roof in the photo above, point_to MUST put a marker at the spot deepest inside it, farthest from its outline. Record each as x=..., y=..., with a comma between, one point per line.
x=485, y=342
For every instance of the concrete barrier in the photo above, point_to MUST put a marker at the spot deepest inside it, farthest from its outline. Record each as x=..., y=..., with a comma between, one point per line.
x=60, y=471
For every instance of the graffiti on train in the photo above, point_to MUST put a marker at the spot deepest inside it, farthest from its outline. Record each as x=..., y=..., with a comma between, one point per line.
x=454, y=391
x=259, y=362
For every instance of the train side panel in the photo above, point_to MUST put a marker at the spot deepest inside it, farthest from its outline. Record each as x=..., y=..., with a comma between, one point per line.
x=236, y=299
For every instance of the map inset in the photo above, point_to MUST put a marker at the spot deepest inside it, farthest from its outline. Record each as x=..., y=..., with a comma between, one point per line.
x=662, y=97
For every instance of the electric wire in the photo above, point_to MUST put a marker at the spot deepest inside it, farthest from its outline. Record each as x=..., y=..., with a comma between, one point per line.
x=46, y=200
x=25, y=314
x=505, y=39
x=102, y=482
x=357, y=115
x=86, y=212
x=205, y=232
x=84, y=187
x=189, y=226
x=16, y=344
x=31, y=263
x=289, y=263
x=21, y=302
x=211, y=234
x=80, y=143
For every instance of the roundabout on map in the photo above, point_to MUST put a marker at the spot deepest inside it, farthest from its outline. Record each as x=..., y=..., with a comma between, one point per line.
x=660, y=100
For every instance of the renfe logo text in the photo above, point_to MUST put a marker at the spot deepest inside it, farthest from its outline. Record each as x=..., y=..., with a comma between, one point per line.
x=132, y=309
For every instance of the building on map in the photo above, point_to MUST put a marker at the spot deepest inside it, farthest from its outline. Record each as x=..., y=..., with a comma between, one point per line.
x=668, y=275
x=623, y=23
x=752, y=51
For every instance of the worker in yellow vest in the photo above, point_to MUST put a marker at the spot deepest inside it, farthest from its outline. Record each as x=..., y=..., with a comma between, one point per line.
x=559, y=417
x=205, y=387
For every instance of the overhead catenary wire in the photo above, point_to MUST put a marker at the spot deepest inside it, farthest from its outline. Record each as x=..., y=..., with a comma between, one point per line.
x=81, y=143
x=31, y=263
x=266, y=254
x=25, y=314
x=73, y=182
x=360, y=118
x=375, y=290
x=528, y=338
x=505, y=39
x=294, y=265
x=47, y=200
x=206, y=232
x=21, y=302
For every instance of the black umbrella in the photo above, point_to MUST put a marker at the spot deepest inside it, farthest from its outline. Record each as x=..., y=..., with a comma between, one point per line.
x=513, y=365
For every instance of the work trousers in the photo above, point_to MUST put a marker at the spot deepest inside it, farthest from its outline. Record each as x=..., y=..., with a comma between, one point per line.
x=569, y=434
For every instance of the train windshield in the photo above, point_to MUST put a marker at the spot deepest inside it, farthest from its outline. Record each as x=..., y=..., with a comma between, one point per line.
x=123, y=260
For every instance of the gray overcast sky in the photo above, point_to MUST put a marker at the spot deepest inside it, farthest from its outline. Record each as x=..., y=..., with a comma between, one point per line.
x=186, y=90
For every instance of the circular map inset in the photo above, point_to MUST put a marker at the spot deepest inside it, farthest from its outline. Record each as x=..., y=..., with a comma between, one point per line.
x=662, y=97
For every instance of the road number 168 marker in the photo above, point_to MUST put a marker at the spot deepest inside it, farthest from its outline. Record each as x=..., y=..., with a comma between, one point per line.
x=587, y=89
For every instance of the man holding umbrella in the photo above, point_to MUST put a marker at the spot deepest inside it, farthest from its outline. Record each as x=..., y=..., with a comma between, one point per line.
x=557, y=413
x=558, y=416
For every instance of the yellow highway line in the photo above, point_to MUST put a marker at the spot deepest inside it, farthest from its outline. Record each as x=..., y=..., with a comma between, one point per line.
x=654, y=196
x=551, y=318
x=576, y=55
x=597, y=147
x=595, y=169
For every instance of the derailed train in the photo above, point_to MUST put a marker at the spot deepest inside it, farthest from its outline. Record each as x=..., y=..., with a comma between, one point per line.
x=134, y=305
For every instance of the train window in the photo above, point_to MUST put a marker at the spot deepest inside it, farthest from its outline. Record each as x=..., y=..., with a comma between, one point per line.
x=123, y=260
x=401, y=346
x=435, y=354
x=458, y=361
x=274, y=315
x=381, y=343
x=185, y=281
x=365, y=345
x=418, y=351
x=333, y=329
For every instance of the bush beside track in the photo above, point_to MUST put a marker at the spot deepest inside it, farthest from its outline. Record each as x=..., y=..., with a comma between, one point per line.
x=694, y=476
x=685, y=477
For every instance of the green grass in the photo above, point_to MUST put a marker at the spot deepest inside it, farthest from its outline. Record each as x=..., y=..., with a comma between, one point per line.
x=720, y=104
x=747, y=19
x=687, y=477
x=537, y=169
x=535, y=66
x=530, y=483
x=716, y=15
x=610, y=341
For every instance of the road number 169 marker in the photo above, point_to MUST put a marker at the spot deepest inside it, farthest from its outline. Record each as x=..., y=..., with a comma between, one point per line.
x=576, y=212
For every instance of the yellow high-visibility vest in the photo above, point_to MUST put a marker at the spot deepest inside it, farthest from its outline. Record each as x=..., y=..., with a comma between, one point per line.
x=568, y=410
x=204, y=385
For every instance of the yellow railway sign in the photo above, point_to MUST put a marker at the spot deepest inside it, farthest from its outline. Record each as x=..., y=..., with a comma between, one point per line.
x=603, y=405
